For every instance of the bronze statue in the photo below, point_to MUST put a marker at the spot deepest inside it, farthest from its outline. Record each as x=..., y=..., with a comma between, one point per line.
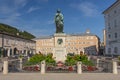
x=59, y=22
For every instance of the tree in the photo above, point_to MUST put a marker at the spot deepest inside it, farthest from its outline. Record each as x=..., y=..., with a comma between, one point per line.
x=14, y=31
x=37, y=58
x=70, y=60
x=49, y=58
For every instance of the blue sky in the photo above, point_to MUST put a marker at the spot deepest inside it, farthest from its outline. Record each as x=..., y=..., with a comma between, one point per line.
x=37, y=16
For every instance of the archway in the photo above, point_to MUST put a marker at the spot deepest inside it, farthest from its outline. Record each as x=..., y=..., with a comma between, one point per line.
x=15, y=51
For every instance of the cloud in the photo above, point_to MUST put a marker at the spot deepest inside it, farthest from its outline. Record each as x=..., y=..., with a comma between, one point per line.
x=31, y=9
x=6, y=9
x=11, y=20
x=9, y=11
x=39, y=32
x=87, y=8
x=10, y=6
x=20, y=3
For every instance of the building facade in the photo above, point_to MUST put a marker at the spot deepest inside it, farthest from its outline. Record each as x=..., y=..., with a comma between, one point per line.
x=11, y=45
x=112, y=29
x=74, y=43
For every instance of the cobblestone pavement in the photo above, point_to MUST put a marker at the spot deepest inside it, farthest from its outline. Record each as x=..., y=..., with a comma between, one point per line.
x=60, y=76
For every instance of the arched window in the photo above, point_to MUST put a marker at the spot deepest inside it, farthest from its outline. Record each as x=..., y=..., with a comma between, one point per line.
x=15, y=51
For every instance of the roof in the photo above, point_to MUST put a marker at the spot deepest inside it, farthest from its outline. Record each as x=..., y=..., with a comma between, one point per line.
x=81, y=34
x=111, y=6
x=5, y=33
x=44, y=37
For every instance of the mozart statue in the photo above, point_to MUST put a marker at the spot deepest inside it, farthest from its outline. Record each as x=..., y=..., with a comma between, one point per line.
x=59, y=22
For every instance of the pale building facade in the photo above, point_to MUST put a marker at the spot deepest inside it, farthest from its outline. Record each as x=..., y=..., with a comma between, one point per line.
x=11, y=45
x=112, y=29
x=73, y=43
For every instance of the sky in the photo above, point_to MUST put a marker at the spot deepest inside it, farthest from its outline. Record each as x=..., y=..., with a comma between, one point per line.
x=37, y=16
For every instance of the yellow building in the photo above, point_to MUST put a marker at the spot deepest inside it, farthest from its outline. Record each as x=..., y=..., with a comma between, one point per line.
x=74, y=43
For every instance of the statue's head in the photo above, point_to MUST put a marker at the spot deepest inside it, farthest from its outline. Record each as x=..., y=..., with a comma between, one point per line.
x=58, y=11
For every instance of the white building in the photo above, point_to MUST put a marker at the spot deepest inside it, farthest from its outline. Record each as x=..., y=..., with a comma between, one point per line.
x=11, y=45
x=112, y=28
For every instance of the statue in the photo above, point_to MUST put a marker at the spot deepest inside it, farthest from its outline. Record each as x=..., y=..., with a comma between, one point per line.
x=59, y=22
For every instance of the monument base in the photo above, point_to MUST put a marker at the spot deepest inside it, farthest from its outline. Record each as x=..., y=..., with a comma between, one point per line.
x=60, y=54
x=59, y=51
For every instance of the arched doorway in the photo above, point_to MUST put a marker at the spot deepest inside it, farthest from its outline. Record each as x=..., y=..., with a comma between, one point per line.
x=15, y=51
x=4, y=52
x=10, y=51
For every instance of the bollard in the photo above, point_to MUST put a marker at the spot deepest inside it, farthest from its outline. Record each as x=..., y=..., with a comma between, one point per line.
x=89, y=58
x=20, y=63
x=98, y=60
x=5, y=67
x=28, y=58
x=79, y=67
x=43, y=67
x=115, y=68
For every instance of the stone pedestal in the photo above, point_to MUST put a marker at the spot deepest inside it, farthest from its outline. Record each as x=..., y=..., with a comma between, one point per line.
x=28, y=58
x=5, y=67
x=59, y=51
x=115, y=68
x=43, y=67
x=79, y=67
x=20, y=63
x=59, y=54
x=98, y=61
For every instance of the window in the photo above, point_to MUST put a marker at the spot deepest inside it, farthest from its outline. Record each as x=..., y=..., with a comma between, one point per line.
x=108, y=16
x=115, y=50
x=115, y=23
x=115, y=11
x=109, y=28
x=109, y=50
x=109, y=36
x=83, y=42
x=115, y=35
x=7, y=41
x=108, y=24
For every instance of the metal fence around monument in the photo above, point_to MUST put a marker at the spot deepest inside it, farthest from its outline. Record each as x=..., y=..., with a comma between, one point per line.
x=14, y=66
x=1, y=66
x=104, y=66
